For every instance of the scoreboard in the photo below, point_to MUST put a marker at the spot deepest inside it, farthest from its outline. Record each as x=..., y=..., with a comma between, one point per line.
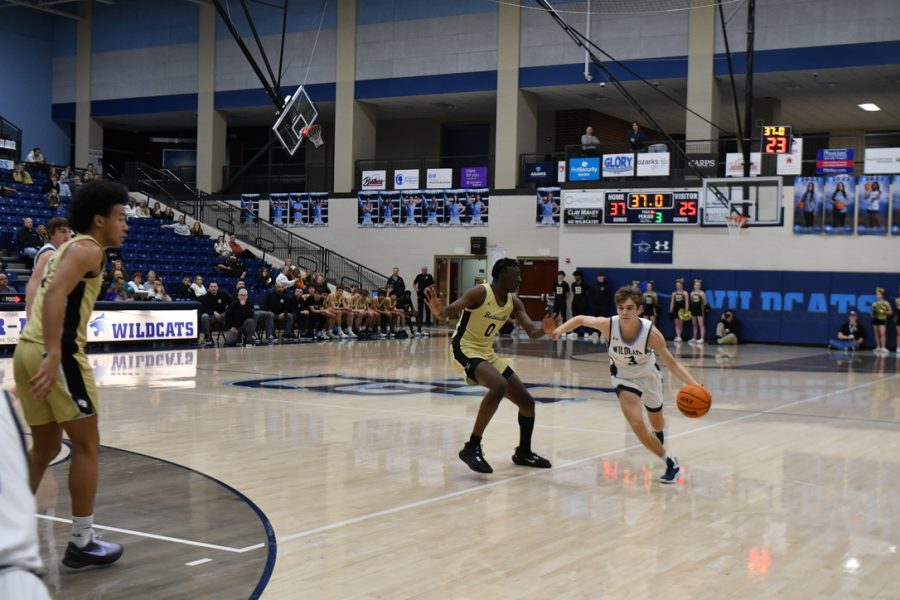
x=652, y=207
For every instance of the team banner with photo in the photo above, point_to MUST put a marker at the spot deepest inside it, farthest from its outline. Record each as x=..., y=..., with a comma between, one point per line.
x=250, y=206
x=653, y=164
x=873, y=204
x=840, y=204
x=423, y=208
x=879, y=161
x=808, y=207
x=895, y=210
x=548, y=207
x=299, y=209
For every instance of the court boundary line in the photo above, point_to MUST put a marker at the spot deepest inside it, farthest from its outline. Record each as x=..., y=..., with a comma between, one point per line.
x=579, y=461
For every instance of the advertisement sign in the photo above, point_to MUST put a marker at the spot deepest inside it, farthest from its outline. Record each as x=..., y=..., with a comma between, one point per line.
x=584, y=169
x=618, y=165
x=834, y=161
x=652, y=246
x=117, y=325
x=373, y=180
x=539, y=172
x=406, y=179
x=734, y=164
x=439, y=179
x=791, y=164
x=561, y=171
x=653, y=164
x=582, y=207
x=473, y=177
x=880, y=161
x=705, y=163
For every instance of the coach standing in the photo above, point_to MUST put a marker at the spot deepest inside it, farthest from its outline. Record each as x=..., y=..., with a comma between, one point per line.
x=421, y=282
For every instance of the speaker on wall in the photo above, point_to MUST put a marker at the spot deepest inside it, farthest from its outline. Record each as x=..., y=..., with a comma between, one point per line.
x=478, y=246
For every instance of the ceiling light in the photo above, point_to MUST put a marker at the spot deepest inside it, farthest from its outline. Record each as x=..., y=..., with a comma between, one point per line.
x=869, y=107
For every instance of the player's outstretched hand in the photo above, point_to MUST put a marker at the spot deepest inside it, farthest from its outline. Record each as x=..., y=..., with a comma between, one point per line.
x=434, y=304
x=550, y=323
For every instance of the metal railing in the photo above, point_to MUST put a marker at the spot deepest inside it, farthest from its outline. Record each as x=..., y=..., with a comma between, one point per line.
x=229, y=217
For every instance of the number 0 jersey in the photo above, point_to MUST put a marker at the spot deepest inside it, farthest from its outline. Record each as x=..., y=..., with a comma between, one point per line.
x=630, y=358
x=477, y=327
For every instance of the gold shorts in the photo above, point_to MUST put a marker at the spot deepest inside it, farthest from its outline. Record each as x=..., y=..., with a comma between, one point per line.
x=73, y=397
x=465, y=361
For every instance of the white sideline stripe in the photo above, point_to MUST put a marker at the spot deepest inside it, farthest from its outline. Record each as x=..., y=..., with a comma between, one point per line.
x=479, y=488
x=159, y=537
x=194, y=563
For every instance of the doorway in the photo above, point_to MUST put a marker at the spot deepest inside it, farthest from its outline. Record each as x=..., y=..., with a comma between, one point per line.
x=538, y=277
x=456, y=274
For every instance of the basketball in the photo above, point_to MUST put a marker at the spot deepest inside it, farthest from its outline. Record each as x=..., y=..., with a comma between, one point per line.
x=304, y=132
x=800, y=205
x=839, y=205
x=694, y=401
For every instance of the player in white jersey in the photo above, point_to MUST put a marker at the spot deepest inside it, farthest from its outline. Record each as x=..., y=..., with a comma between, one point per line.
x=20, y=562
x=634, y=345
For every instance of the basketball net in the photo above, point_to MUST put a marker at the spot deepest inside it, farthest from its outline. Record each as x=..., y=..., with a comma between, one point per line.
x=314, y=134
x=735, y=224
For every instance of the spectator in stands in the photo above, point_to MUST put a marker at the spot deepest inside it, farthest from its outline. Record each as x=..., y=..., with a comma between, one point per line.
x=182, y=290
x=119, y=292
x=396, y=281
x=156, y=211
x=284, y=278
x=279, y=304
x=159, y=292
x=231, y=266
x=212, y=309
x=20, y=175
x=7, y=292
x=589, y=141
x=143, y=212
x=636, y=138
x=728, y=329
x=42, y=232
x=197, y=229
x=237, y=249
x=168, y=213
x=180, y=228
x=35, y=156
x=300, y=308
x=65, y=192
x=131, y=209
x=222, y=248
x=149, y=285
x=89, y=173
x=67, y=172
x=28, y=242
x=239, y=320
x=136, y=284
x=53, y=184
x=264, y=279
x=197, y=286
x=850, y=336
x=75, y=184
x=53, y=199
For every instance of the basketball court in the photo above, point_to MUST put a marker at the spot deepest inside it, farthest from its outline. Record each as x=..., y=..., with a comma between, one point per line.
x=330, y=471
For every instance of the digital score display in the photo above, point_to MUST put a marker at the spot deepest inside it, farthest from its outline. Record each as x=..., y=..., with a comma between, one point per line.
x=652, y=208
x=776, y=139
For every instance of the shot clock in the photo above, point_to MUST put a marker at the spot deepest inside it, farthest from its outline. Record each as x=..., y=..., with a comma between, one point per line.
x=652, y=207
x=776, y=139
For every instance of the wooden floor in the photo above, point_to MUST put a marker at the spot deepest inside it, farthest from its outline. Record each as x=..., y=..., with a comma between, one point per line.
x=349, y=451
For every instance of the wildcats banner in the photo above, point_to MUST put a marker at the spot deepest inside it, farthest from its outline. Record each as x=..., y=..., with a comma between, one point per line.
x=117, y=325
x=548, y=207
x=423, y=208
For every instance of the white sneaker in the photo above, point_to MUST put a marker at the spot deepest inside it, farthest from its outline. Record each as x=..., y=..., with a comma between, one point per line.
x=572, y=336
x=700, y=341
x=595, y=336
x=350, y=333
x=678, y=340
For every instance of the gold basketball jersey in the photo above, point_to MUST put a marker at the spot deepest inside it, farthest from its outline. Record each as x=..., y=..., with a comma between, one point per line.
x=478, y=327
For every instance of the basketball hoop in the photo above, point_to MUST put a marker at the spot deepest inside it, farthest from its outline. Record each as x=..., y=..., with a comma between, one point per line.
x=314, y=134
x=735, y=224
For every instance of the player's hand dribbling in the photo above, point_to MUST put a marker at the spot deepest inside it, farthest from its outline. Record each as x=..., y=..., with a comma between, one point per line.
x=434, y=304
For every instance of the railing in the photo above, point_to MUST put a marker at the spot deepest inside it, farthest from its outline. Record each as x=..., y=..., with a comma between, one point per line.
x=423, y=164
x=268, y=179
x=229, y=217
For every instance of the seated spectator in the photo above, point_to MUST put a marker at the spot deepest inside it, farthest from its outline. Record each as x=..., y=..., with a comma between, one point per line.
x=89, y=173
x=20, y=175
x=28, y=242
x=156, y=211
x=142, y=211
x=35, y=156
x=168, y=213
x=7, y=292
x=180, y=228
x=131, y=209
x=197, y=286
x=264, y=279
x=183, y=289
x=197, y=230
x=320, y=284
x=237, y=249
x=136, y=284
x=212, y=309
x=119, y=292
x=42, y=232
x=109, y=279
x=300, y=306
x=67, y=173
x=239, y=320
x=159, y=292
x=222, y=248
x=231, y=266
x=52, y=185
x=75, y=184
x=284, y=278
x=280, y=304
x=53, y=199
x=65, y=192
x=150, y=284
x=850, y=336
x=728, y=329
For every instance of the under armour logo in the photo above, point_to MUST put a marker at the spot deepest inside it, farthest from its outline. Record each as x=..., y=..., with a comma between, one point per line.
x=661, y=246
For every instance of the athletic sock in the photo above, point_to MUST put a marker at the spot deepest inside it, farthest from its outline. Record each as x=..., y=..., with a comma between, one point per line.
x=474, y=440
x=82, y=530
x=526, y=427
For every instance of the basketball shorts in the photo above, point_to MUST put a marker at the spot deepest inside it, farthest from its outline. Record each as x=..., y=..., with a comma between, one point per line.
x=21, y=584
x=648, y=388
x=74, y=396
x=465, y=361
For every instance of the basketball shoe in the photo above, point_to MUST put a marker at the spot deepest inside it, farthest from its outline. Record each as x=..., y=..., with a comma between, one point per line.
x=530, y=459
x=472, y=455
x=672, y=471
x=97, y=552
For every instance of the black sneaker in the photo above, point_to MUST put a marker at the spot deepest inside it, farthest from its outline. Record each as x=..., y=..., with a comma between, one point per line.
x=672, y=471
x=472, y=456
x=530, y=459
x=661, y=437
x=97, y=552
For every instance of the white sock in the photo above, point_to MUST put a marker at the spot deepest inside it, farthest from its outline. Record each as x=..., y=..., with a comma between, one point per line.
x=82, y=530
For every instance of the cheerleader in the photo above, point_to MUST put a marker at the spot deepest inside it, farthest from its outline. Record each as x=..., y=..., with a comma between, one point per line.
x=698, y=312
x=881, y=312
x=650, y=303
x=679, y=301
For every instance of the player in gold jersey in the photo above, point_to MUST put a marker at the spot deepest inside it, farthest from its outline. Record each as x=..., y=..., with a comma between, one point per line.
x=483, y=310
x=54, y=378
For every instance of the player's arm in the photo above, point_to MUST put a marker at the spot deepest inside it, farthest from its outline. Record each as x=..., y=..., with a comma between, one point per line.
x=601, y=324
x=471, y=299
x=35, y=280
x=80, y=259
x=658, y=343
x=534, y=330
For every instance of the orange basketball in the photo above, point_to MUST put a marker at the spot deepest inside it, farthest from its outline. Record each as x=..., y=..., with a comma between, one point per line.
x=694, y=401
x=839, y=205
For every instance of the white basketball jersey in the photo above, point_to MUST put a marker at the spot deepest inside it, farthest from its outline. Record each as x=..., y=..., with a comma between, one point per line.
x=18, y=525
x=630, y=358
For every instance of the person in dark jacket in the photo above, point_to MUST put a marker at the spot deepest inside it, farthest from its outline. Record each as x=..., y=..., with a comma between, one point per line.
x=212, y=310
x=282, y=307
x=240, y=320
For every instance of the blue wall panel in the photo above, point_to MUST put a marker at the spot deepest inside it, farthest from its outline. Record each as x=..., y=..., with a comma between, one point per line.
x=383, y=11
x=65, y=35
x=303, y=15
x=140, y=24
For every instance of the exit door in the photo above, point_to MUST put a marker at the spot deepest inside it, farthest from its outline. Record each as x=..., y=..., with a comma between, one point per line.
x=538, y=277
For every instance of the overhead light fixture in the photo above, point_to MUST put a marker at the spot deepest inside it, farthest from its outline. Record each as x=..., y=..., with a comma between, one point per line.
x=869, y=107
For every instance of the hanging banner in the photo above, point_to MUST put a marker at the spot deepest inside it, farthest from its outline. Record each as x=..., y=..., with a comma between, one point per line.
x=840, y=204
x=808, y=205
x=653, y=164
x=791, y=164
x=873, y=204
x=548, y=207
x=423, y=208
x=734, y=164
x=895, y=210
x=835, y=161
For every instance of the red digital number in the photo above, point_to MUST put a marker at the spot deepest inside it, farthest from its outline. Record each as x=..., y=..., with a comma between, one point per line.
x=776, y=145
x=617, y=209
x=688, y=208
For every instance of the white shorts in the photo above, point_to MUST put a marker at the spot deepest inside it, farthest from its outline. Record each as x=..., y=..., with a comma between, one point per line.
x=22, y=585
x=649, y=388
